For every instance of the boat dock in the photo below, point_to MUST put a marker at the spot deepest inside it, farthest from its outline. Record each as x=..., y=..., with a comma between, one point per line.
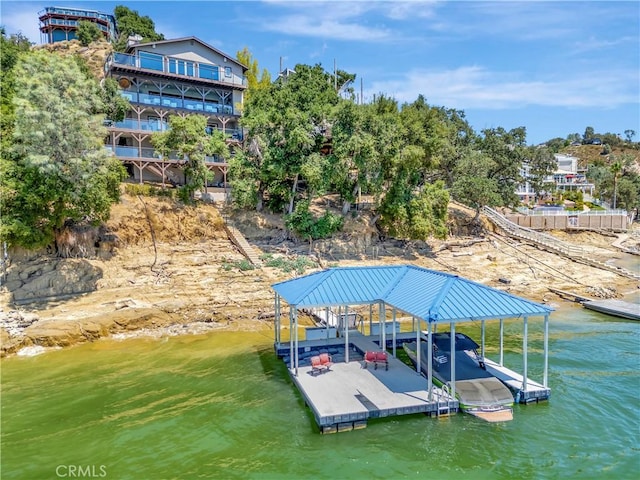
x=617, y=308
x=535, y=392
x=348, y=395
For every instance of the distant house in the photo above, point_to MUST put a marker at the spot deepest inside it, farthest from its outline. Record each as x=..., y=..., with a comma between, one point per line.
x=58, y=24
x=173, y=77
x=566, y=177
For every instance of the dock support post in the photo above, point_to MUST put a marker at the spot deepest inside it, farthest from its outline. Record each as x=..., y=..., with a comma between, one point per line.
x=393, y=334
x=418, y=353
x=382, y=319
x=346, y=334
x=276, y=322
x=295, y=315
x=482, y=340
x=452, y=334
x=501, y=342
x=524, y=353
x=326, y=323
x=429, y=358
x=370, y=317
x=545, y=376
x=291, y=338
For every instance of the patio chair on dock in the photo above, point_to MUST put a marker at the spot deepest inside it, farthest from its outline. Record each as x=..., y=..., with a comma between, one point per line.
x=376, y=358
x=382, y=359
x=320, y=363
x=325, y=361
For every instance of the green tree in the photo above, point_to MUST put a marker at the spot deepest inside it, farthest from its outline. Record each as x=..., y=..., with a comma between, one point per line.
x=556, y=144
x=60, y=171
x=88, y=32
x=286, y=123
x=254, y=80
x=542, y=163
x=115, y=105
x=629, y=134
x=188, y=138
x=589, y=133
x=131, y=23
x=474, y=186
x=616, y=168
x=507, y=151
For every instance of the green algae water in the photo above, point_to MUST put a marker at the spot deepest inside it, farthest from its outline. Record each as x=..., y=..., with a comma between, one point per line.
x=221, y=406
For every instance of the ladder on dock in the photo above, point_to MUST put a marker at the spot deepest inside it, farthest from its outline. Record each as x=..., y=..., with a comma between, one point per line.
x=550, y=243
x=443, y=399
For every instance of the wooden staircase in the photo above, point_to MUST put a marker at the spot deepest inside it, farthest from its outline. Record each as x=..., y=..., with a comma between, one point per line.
x=550, y=243
x=250, y=252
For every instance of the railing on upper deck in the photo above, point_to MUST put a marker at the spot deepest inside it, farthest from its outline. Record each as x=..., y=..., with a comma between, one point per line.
x=174, y=102
x=178, y=66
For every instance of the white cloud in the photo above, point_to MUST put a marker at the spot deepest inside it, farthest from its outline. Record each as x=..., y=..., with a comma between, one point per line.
x=309, y=26
x=475, y=87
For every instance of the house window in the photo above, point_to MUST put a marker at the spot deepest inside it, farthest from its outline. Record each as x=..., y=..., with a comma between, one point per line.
x=227, y=72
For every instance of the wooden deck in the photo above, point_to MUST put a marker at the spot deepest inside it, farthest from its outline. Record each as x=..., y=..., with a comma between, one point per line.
x=348, y=395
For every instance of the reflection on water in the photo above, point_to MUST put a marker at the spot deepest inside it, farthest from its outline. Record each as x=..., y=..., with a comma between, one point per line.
x=221, y=405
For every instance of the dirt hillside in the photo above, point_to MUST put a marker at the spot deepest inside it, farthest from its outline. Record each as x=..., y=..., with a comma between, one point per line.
x=169, y=268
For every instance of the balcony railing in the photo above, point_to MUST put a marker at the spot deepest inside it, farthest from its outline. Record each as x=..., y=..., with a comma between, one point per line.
x=145, y=125
x=160, y=126
x=150, y=153
x=179, y=66
x=172, y=102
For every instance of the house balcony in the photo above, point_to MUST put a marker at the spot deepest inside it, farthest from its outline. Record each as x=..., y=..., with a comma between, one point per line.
x=160, y=126
x=176, y=68
x=125, y=153
x=196, y=106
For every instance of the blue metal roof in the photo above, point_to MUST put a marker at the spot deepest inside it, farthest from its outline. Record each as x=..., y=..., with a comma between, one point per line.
x=427, y=294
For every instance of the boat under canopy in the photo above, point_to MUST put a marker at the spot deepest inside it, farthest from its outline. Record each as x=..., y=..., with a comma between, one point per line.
x=480, y=393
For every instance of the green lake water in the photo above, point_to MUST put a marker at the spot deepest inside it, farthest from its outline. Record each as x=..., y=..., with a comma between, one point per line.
x=221, y=406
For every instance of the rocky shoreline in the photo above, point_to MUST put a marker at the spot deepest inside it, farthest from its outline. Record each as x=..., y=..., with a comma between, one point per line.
x=199, y=284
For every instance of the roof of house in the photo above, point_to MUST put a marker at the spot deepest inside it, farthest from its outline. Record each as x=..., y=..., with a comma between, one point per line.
x=427, y=294
x=195, y=39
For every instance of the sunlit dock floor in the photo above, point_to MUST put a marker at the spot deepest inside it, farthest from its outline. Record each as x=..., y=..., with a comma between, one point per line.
x=347, y=395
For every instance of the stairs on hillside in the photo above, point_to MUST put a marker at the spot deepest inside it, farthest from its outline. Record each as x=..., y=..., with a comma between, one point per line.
x=251, y=253
x=550, y=243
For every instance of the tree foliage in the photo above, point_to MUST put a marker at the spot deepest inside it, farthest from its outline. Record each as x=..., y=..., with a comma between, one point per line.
x=287, y=124
x=542, y=163
x=130, y=23
x=88, y=32
x=255, y=81
x=187, y=137
x=474, y=184
x=59, y=173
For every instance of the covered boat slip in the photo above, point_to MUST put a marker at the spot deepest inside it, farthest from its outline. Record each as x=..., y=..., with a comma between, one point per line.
x=432, y=299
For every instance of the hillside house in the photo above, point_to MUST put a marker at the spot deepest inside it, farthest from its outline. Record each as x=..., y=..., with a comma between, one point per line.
x=58, y=24
x=173, y=77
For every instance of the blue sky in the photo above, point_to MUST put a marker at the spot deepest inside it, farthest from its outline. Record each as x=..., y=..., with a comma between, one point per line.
x=552, y=67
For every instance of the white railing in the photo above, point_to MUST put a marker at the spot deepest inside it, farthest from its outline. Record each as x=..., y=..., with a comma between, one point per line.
x=532, y=235
x=562, y=212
